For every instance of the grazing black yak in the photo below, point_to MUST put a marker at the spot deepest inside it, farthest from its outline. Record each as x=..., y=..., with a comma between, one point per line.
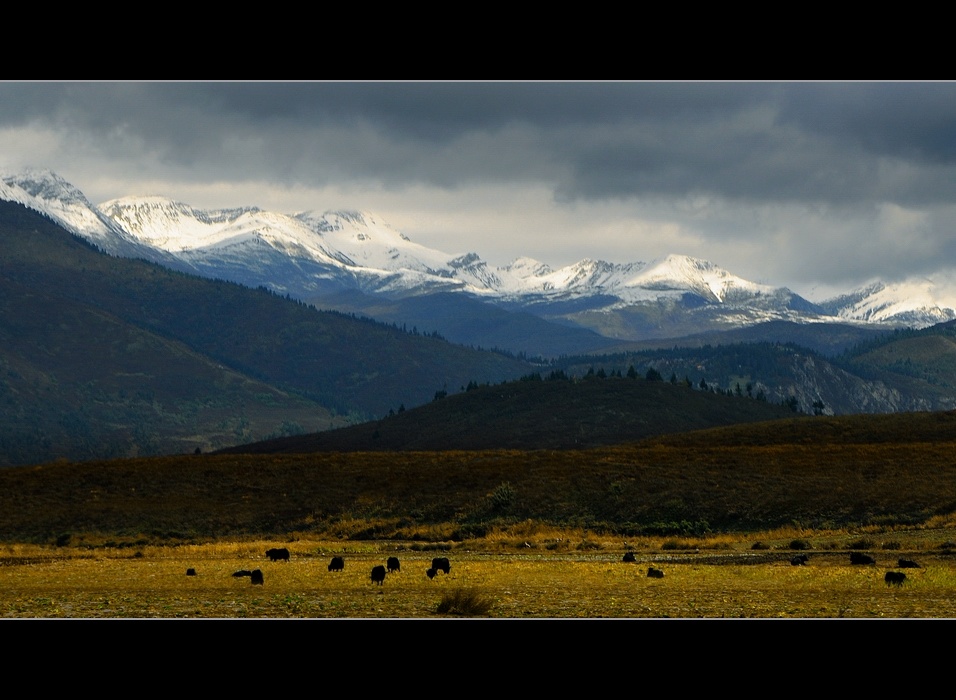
x=894, y=578
x=278, y=554
x=441, y=564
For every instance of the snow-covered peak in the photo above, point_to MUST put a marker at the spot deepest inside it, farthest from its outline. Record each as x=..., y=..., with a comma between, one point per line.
x=43, y=185
x=527, y=267
x=46, y=192
x=916, y=301
x=366, y=240
x=529, y=276
x=586, y=272
x=356, y=243
x=685, y=273
x=172, y=225
x=358, y=249
x=345, y=219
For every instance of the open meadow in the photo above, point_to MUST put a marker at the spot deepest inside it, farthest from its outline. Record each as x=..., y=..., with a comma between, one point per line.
x=528, y=534
x=557, y=578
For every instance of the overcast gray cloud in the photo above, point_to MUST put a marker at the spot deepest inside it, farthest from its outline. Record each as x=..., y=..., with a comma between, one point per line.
x=816, y=186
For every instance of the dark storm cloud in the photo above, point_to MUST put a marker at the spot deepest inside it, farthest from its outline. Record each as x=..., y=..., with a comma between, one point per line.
x=443, y=111
x=901, y=120
x=436, y=132
x=776, y=142
x=784, y=182
x=812, y=143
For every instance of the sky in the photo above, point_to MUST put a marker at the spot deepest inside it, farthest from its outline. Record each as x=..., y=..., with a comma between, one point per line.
x=817, y=186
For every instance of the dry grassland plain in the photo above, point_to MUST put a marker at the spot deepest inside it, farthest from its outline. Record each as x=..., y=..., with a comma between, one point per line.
x=152, y=582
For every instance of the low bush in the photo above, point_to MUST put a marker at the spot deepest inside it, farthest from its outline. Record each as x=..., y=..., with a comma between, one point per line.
x=684, y=528
x=466, y=602
x=431, y=547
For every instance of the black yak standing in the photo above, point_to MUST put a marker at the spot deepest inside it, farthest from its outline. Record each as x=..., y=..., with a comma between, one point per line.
x=278, y=554
x=441, y=564
x=894, y=578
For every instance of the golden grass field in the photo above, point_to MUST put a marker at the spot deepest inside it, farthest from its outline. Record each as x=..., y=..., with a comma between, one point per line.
x=556, y=577
x=533, y=534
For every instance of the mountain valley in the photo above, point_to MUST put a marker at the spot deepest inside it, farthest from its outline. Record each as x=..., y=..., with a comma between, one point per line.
x=147, y=327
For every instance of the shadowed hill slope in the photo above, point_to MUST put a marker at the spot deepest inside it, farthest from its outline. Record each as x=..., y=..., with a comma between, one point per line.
x=103, y=356
x=814, y=472
x=538, y=414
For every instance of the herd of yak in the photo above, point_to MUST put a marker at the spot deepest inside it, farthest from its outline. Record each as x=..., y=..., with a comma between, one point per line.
x=892, y=578
x=338, y=564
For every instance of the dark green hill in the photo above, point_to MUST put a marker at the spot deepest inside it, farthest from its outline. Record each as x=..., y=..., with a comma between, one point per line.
x=927, y=356
x=104, y=356
x=76, y=382
x=809, y=472
x=534, y=414
x=887, y=372
x=915, y=367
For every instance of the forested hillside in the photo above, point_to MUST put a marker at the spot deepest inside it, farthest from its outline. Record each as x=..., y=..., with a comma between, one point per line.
x=103, y=356
x=553, y=412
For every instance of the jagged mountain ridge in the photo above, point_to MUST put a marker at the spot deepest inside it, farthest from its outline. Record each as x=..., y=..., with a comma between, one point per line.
x=310, y=256
x=358, y=240
x=386, y=261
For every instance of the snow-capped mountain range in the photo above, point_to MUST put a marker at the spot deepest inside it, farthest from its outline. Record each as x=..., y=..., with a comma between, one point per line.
x=367, y=249
x=308, y=255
